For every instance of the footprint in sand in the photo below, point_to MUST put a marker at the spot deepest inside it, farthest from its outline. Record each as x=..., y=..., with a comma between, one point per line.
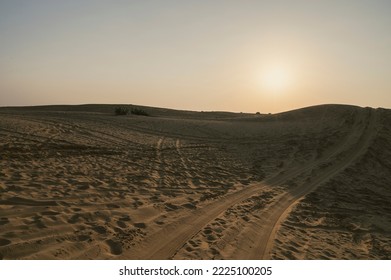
x=140, y=225
x=194, y=244
x=121, y=224
x=112, y=206
x=115, y=246
x=171, y=207
x=99, y=229
x=83, y=237
x=74, y=219
x=4, y=242
x=4, y=221
x=125, y=218
x=189, y=205
x=50, y=213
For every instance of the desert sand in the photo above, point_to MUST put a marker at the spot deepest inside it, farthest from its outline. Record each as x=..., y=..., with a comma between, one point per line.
x=79, y=182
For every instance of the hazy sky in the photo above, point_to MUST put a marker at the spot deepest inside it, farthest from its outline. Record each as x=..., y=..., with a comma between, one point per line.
x=266, y=56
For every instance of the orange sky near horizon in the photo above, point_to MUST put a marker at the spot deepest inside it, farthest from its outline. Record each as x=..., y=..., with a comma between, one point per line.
x=267, y=56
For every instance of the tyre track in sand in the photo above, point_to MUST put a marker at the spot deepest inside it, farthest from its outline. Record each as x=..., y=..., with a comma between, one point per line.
x=281, y=209
x=186, y=169
x=166, y=242
x=160, y=163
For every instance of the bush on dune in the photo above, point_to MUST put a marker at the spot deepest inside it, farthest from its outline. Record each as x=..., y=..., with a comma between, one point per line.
x=138, y=111
x=120, y=111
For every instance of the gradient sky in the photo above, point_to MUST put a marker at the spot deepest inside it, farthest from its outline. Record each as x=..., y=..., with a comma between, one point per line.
x=198, y=55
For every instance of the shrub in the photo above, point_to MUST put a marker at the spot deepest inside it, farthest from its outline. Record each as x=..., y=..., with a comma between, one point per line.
x=138, y=111
x=120, y=111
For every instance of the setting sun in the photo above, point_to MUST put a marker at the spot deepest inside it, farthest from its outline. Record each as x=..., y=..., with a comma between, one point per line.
x=276, y=79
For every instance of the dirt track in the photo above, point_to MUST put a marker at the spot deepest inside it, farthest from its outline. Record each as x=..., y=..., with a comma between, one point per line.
x=160, y=247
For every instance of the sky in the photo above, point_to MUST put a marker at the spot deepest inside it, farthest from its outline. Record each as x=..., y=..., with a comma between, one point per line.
x=219, y=55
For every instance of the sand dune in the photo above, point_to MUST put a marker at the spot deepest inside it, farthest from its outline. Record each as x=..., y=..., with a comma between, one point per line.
x=78, y=182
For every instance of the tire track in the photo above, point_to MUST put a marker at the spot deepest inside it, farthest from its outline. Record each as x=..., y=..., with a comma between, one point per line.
x=160, y=163
x=166, y=242
x=186, y=169
x=281, y=209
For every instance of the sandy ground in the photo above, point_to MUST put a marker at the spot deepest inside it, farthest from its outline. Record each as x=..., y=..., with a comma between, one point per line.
x=78, y=182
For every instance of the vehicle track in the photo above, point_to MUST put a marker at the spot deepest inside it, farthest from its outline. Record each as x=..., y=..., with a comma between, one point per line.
x=262, y=230
x=160, y=169
x=166, y=242
x=178, y=148
x=280, y=210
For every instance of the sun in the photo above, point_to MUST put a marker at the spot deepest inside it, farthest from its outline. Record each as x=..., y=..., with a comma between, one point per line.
x=276, y=79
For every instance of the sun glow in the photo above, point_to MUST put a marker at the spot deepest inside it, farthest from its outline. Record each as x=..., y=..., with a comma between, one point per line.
x=276, y=79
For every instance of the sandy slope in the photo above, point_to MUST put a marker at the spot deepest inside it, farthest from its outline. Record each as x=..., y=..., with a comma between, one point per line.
x=78, y=182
